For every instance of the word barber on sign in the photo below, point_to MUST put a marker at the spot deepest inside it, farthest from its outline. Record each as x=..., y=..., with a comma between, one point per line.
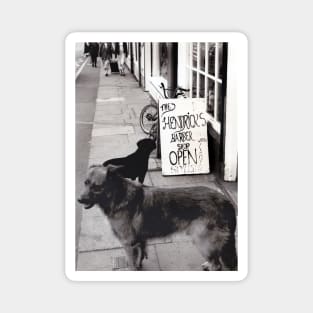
x=183, y=131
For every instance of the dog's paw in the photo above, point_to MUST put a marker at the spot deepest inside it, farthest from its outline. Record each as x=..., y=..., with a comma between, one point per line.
x=205, y=266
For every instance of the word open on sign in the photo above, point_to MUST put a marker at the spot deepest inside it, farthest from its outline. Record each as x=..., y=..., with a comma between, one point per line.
x=183, y=132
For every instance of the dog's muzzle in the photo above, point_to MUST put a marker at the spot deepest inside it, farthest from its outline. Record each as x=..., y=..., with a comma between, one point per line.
x=87, y=204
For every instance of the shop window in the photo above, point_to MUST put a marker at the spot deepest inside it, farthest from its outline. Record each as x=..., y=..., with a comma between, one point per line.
x=202, y=57
x=194, y=84
x=194, y=54
x=210, y=96
x=211, y=57
x=164, y=60
x=206, y=71
x=201, y=86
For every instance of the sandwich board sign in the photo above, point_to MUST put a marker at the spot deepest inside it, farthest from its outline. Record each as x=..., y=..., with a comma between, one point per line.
x=183, y=134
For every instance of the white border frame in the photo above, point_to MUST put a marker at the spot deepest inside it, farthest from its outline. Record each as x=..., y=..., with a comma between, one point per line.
x=242, y=220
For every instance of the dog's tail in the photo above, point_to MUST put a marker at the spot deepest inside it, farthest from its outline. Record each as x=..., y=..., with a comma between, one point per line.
x=228, y=214
x=229, y=253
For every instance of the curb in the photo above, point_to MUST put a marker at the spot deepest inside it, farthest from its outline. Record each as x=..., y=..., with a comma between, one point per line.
x=81, y=68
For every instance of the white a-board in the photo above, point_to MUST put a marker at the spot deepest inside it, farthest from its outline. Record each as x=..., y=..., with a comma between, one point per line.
x=183, y=133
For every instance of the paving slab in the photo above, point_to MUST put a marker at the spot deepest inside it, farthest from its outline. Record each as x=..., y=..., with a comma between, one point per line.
x=102, y=102
x=135, y=137
x=105, y=153
x=138, y=129
x=137, y=108
x=99, y=160
x=116, y=124
x=112, y=109
x=147, y=181
x=179, y=256
x=152, y=165
x=98, y=260
x=116, y=109
x=106, y=92
x=96, y=232
x=116, y=112
x=131, y=115
x=104, y=140
x=112, y=130
x=109, y=120
x=184, y=180
x=102, y=260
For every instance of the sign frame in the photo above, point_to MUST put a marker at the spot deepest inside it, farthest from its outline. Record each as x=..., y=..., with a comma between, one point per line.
x=183, y=136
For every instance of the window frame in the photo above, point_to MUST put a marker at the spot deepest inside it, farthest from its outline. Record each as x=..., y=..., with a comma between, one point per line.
x=212, y=118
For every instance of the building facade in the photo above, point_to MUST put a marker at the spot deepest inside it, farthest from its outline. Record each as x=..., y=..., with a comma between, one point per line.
x=208, y=70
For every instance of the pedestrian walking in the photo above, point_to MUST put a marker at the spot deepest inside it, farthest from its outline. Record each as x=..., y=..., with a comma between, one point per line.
x=94, y=52
x=122, y=57
x=86, y=49
x=116, y=49
x=106, y=56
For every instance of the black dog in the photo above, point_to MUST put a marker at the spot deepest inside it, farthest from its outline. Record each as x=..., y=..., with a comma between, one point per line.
x=136, y=164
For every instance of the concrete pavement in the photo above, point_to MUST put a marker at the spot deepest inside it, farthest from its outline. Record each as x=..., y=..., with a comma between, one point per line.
x=115, y=133
x=86, y=94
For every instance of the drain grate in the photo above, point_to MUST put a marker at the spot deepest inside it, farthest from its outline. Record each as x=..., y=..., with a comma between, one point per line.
x=119, y=262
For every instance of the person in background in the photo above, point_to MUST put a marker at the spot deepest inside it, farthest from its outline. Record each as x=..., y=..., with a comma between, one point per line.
x=94, y=52
x=86, y=49
x=106, y=56
x=116, y=49
x=122, y=57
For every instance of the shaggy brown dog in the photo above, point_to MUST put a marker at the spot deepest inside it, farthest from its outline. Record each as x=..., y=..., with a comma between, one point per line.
x=137, y=213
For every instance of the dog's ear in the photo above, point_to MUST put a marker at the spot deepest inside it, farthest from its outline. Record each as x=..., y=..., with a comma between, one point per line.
x=140, y=143
x=146, y=144
x=113, y=170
